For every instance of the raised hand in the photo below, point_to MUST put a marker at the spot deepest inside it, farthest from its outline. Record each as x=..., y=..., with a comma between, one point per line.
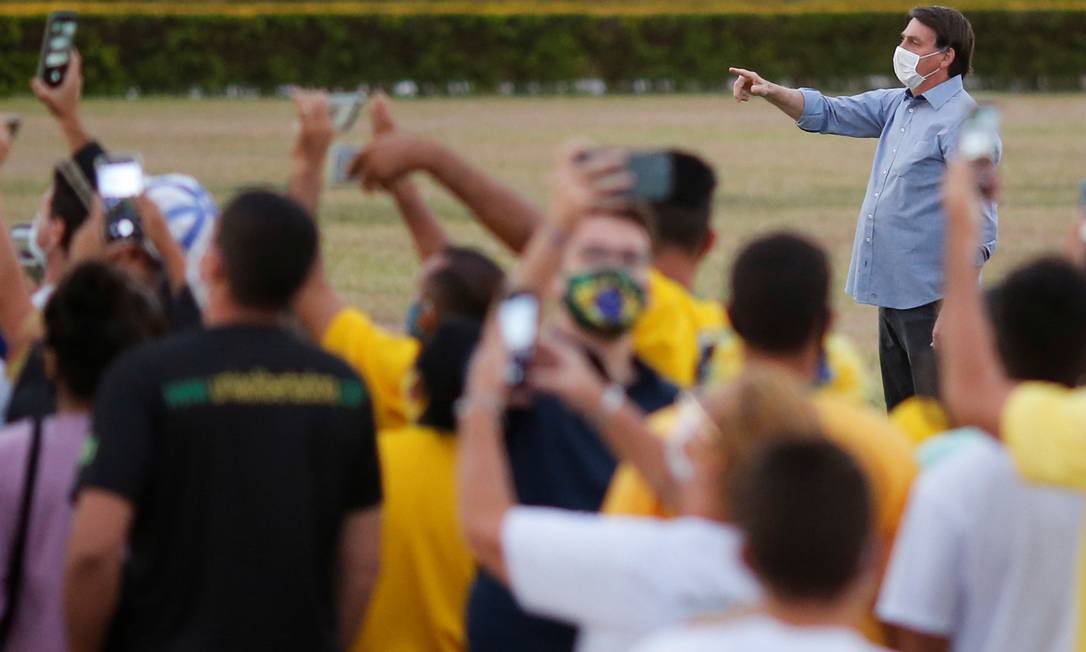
x=62, y=101
x=748, y=83
x=315, y=131
x=589, y=180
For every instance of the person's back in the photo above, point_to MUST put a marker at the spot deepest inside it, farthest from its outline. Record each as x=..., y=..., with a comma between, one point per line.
x=983, y=556
x=244, y=448
x=93, y=315
x=426, y=567
x=238, y=462
x=996, y=553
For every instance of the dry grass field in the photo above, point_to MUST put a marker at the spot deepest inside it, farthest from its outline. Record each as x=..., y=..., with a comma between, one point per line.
x=772, y=175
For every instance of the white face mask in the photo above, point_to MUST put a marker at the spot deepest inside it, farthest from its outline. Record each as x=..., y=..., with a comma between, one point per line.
x=905, y=63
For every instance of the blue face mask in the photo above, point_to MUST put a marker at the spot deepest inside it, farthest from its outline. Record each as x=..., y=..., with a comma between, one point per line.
x=414, y=314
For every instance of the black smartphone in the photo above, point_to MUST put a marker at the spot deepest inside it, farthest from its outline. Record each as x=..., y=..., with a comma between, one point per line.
x=518, y=324
x=655, y=174
x=120, y=181
x=56, y=47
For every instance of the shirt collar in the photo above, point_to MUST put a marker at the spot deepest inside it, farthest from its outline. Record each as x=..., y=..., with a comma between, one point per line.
x=941, y=94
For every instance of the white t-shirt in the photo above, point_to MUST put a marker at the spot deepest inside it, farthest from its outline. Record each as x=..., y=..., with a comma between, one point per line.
x=985, y=559
x=620, y=578
x=758, y=633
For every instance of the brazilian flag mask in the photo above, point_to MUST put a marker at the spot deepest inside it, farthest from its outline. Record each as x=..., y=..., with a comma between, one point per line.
x=606, y=302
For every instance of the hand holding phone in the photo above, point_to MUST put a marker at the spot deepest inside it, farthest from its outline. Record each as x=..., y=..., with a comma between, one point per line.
x=979, y=145
x=518, y=324
x=120, y=182
x=56, y=47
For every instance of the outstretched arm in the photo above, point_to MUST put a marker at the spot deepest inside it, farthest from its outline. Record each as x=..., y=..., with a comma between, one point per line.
x=749, y=83
x=500, y=210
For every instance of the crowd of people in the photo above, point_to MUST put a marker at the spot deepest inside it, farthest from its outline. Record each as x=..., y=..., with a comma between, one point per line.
x=207, y=448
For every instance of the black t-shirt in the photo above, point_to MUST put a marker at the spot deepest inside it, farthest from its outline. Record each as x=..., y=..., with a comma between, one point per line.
x=241, y=450
x=557, y=460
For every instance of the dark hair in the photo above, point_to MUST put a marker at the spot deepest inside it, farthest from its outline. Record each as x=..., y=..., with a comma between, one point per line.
x=268, y=244
x=780, y=287
x=952, y=30
x=94, y=315
x=683, y=219
x=806, y=510
x=466, y=283
x=442, y=366
x=1039, y=314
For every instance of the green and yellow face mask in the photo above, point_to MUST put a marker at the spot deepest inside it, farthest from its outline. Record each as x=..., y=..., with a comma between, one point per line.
x=606, y=302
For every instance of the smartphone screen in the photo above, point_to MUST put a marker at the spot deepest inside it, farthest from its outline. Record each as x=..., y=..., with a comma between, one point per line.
x=56, y=49
x=120, y=179
x=980, y=134
x=345, y=108
x=518, y=324
x=339, y=162
x=654, y=173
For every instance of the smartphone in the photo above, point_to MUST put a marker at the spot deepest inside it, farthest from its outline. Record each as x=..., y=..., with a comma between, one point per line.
x=980, y=134
x=340, y=157
x=655, y=174
x=345, y=108
x=518, y=324
x=12, y=122
x=56, y=47
x=120, y=181
x=1082, y=196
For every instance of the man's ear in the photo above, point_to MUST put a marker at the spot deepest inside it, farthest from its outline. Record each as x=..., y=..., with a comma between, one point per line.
x=708, y=244
x=211, y=267
x=55, y=228
x=948, y=58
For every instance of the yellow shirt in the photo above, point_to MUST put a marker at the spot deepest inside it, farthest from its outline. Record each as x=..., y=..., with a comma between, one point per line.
x=881, y=450
x=426, y=566
x=920, y=418
x=672, y=333
x=847, y=374
x=384, y=360
x=1044, y=428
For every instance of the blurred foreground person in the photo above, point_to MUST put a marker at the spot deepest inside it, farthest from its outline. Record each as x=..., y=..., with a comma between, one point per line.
x=93, y=315
x=805, y=509
x=230, y=499
x=980, y=549
x=780, y=308
x=1043, y=425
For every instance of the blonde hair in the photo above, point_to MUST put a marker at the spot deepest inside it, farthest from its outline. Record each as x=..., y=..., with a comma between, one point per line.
x=759, y=407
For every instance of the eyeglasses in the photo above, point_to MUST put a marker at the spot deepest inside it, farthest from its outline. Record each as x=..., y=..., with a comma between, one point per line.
x=596, y=256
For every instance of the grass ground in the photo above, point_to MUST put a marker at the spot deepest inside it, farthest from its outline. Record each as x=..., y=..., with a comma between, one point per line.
x=772, y=175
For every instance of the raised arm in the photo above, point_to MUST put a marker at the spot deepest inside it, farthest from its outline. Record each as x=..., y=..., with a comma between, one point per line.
x=63, y=102
x=426, y=232
x=499, y=209
x=15, y=305
x=318, y=303
x=973, y=382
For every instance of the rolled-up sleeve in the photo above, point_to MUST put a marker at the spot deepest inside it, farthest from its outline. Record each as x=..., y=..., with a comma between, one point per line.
x=858, y=116
x=1044, y=427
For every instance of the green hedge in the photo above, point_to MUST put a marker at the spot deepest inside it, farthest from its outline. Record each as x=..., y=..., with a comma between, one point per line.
x=176, y=54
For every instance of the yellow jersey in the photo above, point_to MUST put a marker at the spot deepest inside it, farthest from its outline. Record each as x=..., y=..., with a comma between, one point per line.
x=920, y=418
x=672, y=334
x=843, y=372
x=426, y=566
x=383, y=359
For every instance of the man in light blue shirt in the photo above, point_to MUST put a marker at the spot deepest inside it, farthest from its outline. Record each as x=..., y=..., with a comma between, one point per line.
x=897, y=252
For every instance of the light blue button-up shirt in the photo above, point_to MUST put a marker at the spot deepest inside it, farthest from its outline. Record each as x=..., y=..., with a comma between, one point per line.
x=897, y=256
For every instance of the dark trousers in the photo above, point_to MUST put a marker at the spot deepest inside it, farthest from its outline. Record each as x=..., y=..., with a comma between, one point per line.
x=906, y=356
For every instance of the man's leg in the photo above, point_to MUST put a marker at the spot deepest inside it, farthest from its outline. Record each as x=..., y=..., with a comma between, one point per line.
x=897, y=379
x=912, y=355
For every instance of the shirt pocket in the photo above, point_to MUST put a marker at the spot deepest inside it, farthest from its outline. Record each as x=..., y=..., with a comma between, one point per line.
x=923, y=164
